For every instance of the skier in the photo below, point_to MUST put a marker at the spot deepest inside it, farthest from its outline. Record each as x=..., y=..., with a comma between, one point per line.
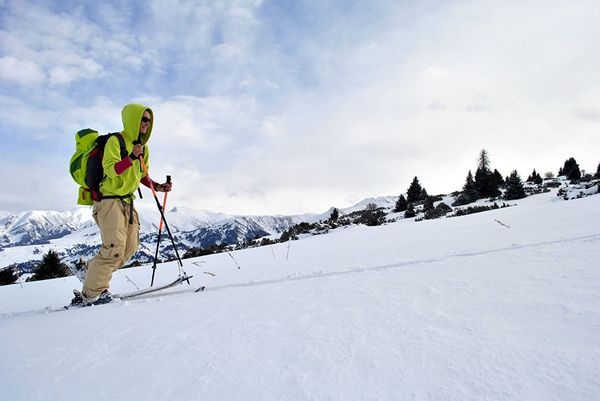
x=114, y=212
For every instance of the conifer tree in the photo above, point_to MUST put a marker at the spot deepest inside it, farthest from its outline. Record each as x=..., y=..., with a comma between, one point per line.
x=514, y=187
x=484, y=160
x=486, y=182
x=469, y=189
x=335, y=214
x=8, y=275
x=570, y=169
x=50, y=267
x=535, y=178
x=415, y=191
x=498, y=177
x=400, y=204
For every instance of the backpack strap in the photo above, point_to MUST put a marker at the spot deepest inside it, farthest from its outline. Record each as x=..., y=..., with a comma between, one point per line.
x=121, y=143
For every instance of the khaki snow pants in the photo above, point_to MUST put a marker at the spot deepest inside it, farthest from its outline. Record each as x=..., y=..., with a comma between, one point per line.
x=120, y=240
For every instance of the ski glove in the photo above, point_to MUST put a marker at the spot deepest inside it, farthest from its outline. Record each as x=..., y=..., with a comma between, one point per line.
x=165, y=187
x=138, y=150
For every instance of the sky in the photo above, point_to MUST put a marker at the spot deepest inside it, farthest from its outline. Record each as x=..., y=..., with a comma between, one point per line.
x=286, y=107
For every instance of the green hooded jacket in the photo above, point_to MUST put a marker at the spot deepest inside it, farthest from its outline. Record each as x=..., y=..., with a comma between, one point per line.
x=128, y=181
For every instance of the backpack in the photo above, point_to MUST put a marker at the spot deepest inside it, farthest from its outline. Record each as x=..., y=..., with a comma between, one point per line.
x=86, y=163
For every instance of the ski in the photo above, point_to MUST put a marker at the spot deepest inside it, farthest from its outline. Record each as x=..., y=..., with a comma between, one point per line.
x=129, y=295
x=150, y=290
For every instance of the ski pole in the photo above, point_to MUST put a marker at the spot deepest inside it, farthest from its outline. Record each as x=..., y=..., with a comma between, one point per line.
x=162, y=215
x=160, y=226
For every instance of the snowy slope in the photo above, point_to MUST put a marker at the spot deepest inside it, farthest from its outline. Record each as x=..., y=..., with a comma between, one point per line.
x=501, y=305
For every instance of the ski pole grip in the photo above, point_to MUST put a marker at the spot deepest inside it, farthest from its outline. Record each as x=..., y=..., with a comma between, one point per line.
x=136, y=142
x=168, y=179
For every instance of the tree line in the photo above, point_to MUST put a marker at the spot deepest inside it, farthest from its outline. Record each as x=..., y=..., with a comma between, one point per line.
x=485, y=184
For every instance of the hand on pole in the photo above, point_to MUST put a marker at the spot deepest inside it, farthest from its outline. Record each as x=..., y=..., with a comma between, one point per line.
x=164, y=187
x=137, y=152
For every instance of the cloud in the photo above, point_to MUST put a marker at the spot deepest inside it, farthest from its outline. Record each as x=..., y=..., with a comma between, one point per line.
x=79, y=69
x=298, y=106
x=588, y=114
x=21, y=72
x=57, y=49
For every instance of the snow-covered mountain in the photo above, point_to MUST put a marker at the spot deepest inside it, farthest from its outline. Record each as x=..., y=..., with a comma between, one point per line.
x=37, y=226
x=26, y=236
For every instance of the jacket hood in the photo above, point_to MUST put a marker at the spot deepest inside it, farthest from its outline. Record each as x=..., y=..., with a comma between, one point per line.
x=132, y=118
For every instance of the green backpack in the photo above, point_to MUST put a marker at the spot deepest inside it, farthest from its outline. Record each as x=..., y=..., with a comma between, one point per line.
x=86, y=163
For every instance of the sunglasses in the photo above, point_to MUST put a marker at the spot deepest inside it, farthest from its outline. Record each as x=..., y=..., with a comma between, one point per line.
x=146, y=120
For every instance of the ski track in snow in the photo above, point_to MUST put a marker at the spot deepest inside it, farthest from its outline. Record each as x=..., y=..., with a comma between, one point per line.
x=317, y=275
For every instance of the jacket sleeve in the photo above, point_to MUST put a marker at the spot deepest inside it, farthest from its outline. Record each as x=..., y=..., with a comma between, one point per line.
x=123, y=165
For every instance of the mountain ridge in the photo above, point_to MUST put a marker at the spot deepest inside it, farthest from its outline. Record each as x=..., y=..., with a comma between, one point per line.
x=25, y=236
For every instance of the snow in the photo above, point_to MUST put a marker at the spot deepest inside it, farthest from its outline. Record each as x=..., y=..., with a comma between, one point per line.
x=500, y=305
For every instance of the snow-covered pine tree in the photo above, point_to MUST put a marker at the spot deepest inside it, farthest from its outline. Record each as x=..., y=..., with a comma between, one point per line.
x=514, y=187
x=50, y=267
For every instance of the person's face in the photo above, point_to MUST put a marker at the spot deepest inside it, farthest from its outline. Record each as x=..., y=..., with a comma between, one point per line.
x=145, y=124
